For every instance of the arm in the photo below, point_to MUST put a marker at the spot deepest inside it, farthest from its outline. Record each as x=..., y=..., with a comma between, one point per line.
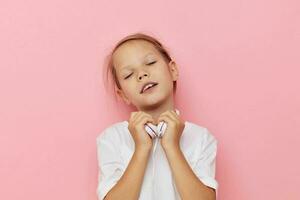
x=184, y=177
x=129, y=185
x=197, y=182
x=115, y=181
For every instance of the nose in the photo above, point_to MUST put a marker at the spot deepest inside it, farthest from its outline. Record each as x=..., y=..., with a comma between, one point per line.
x=143, y=74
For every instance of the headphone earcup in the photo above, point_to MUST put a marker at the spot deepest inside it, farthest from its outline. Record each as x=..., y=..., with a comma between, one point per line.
x=150, y=129
x=162, y=126
x=159, y=130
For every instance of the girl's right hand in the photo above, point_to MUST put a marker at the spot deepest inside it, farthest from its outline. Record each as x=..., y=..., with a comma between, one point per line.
x=136, y=128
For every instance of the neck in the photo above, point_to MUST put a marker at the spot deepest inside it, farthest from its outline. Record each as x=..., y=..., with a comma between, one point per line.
x=156, y=111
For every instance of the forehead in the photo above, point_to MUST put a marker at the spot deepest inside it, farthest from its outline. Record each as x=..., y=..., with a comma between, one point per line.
x=132, y=52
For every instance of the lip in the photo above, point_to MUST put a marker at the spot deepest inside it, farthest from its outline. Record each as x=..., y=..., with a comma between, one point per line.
x=141, y=91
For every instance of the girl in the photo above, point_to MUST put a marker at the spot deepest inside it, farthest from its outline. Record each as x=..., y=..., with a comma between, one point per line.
x=183, y=165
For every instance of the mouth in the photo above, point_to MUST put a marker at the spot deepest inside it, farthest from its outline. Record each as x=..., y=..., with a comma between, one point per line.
x=148, y=86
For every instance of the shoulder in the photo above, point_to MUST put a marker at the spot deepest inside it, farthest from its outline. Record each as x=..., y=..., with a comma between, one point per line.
x=197, y=134
x=113, y=133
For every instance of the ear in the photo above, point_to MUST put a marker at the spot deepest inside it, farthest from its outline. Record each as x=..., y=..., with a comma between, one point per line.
x=173, y=70
x=123, y=96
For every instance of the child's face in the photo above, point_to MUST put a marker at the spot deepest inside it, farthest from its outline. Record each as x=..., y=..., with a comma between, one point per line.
x=138, y=62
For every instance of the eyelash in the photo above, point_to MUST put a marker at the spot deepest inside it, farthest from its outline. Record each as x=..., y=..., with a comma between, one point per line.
x=151, y=63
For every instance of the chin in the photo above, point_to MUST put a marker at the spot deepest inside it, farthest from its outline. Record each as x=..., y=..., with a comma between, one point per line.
x=154, y=100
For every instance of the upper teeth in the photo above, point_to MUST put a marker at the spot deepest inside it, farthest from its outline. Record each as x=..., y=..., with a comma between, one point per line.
x=148, y=86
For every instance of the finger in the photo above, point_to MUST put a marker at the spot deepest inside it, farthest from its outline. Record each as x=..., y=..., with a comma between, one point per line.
x=175, y=115
x=135, y=116
x=132, y=115
x=166, y=118
x=171, y=115
x=174, y=112
x=144, y=119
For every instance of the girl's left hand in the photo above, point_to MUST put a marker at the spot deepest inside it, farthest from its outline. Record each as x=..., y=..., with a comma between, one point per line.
x=173, y=132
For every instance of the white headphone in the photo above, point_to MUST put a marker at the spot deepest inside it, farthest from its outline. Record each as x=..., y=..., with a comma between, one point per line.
x=156, y=132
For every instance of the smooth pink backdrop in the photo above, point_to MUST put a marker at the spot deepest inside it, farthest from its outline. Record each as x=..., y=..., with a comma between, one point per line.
x=239, y=76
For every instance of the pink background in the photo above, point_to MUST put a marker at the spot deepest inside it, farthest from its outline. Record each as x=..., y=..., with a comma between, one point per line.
x=239, y=77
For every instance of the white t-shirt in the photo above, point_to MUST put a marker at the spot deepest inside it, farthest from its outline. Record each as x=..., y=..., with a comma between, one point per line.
x=115, y=147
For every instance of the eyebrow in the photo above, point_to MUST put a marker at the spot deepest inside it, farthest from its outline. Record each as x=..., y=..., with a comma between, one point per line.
x=127, y=66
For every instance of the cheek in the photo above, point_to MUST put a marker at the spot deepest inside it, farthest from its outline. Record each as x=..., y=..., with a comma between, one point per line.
x=165, y=75
x=161, y=71
x=167, y=79
x=129, y=88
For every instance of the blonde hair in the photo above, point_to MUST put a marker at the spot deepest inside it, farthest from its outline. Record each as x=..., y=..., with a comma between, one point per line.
x=110, y=69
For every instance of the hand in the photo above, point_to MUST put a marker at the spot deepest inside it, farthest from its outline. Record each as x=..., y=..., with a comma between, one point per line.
x=174, y=130
x=136, y=128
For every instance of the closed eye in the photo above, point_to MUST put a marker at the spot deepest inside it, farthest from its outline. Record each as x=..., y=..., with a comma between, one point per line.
x=128, y=76
x=151, y=63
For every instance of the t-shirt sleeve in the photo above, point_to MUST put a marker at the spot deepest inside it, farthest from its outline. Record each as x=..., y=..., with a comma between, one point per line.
x=206, y=161
x=110, y=165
